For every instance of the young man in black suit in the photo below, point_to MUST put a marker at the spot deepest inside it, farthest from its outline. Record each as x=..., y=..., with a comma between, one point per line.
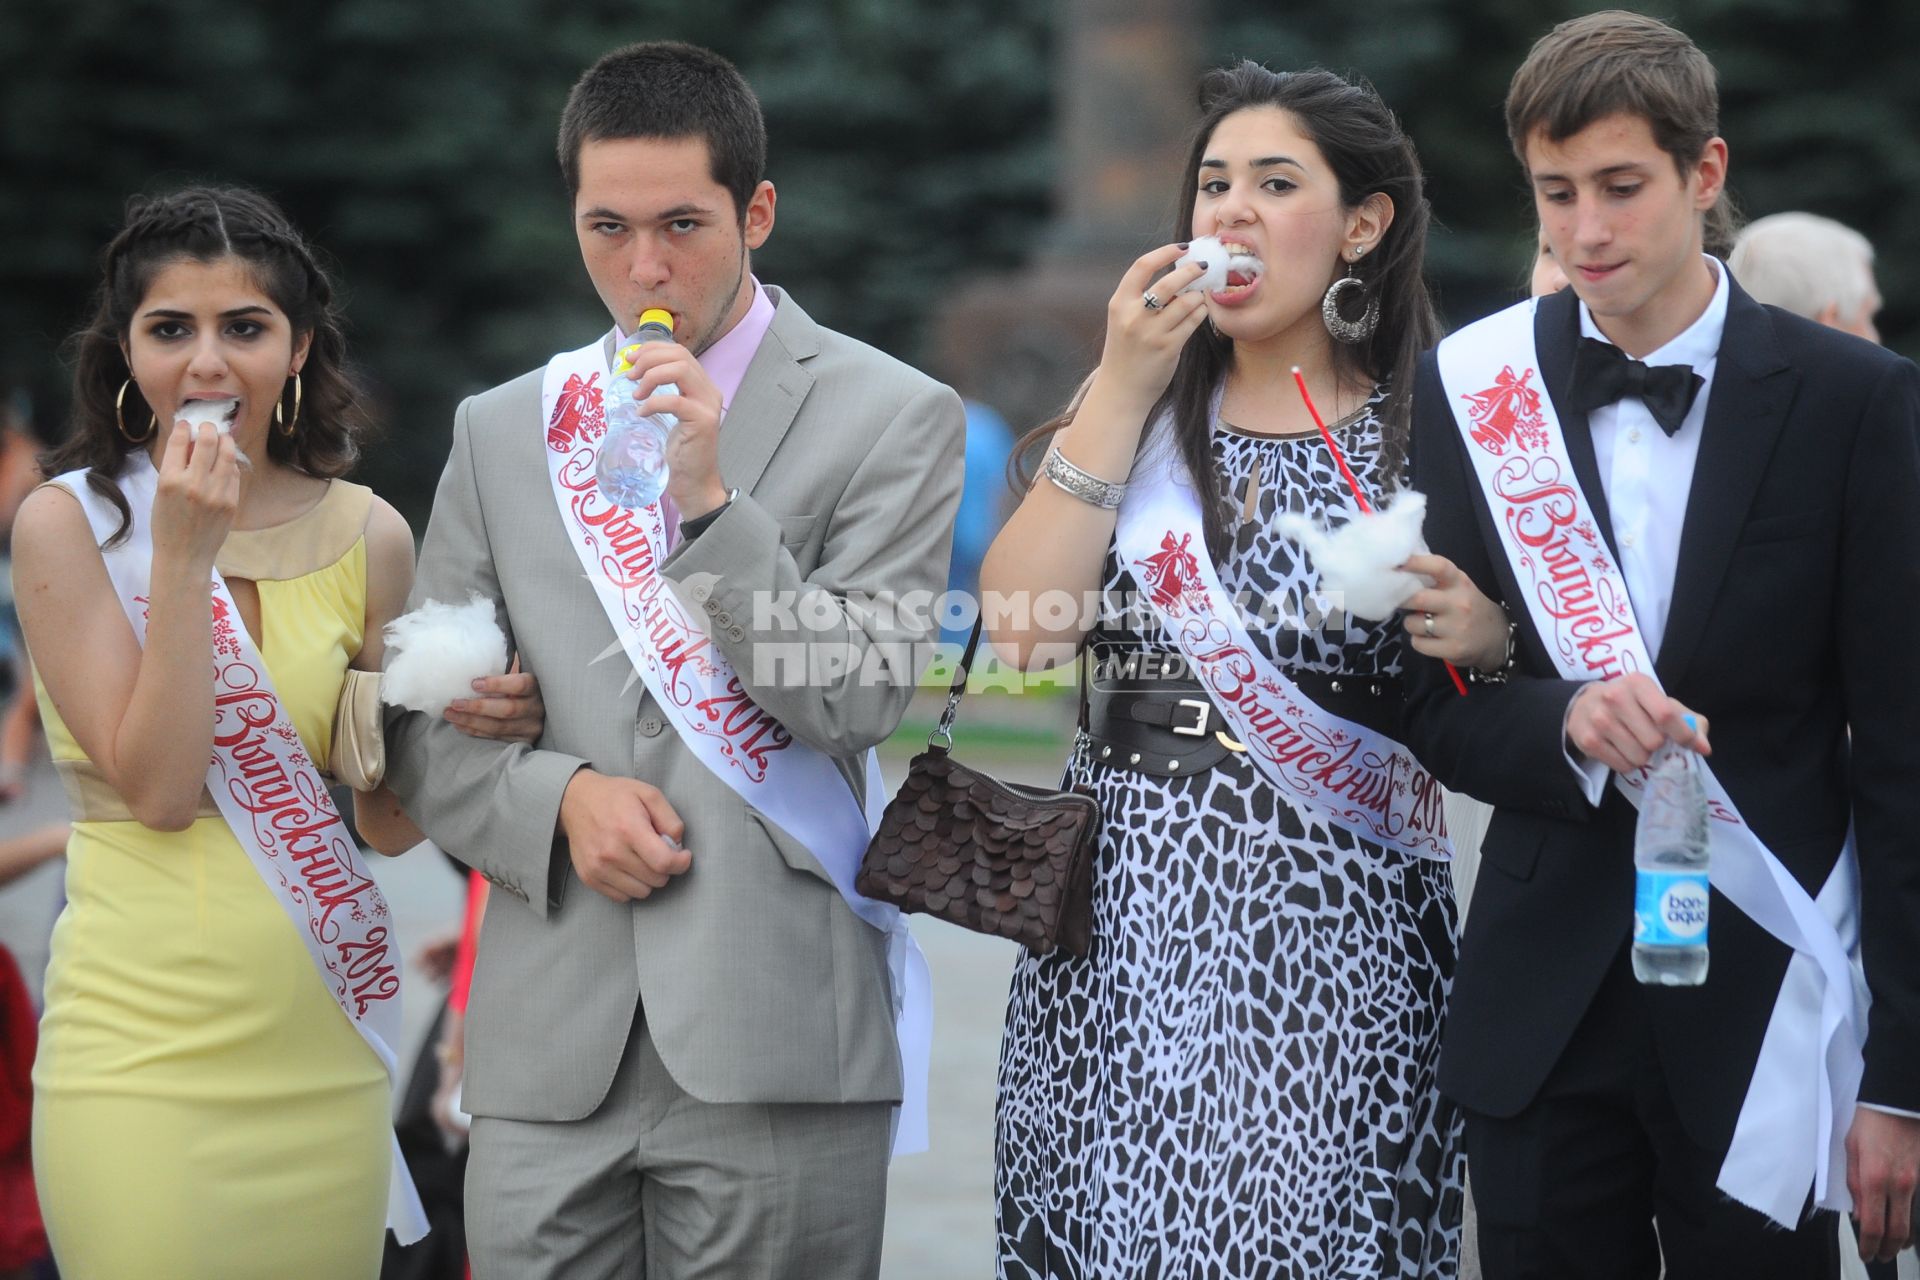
x=1727, y=530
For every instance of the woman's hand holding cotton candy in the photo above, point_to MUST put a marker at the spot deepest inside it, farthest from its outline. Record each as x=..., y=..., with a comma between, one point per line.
x=1469, y=630
x=1054, y=543
x=195, y=499
x=506, y=708
x=1210, y=257
x=1361, y=562
x=437, y=652
x=1143, y=343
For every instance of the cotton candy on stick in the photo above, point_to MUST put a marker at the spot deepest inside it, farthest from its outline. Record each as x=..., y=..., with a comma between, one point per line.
x=1360, y=561
x=438, y=651
x=1360, y=551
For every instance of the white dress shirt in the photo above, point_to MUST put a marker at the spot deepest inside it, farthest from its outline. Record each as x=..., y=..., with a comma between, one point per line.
x=1647, y=476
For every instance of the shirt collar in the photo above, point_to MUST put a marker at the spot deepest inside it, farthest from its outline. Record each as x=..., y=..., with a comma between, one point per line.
x=1698, y=344
x=727, y=359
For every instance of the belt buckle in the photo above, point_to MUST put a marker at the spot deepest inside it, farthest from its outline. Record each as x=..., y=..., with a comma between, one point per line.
x=1202, y=709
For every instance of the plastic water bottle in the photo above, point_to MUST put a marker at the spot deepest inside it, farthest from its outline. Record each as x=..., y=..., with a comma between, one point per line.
x=1670, y=872
x=632, y=465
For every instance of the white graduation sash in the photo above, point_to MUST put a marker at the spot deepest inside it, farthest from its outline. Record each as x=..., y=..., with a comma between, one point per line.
x=1578, y=600
x=276, y=803
x=1349, y=774
x=793, y=785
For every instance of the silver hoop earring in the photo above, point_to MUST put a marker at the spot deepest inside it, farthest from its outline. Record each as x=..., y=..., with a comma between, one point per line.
x=1339, y=327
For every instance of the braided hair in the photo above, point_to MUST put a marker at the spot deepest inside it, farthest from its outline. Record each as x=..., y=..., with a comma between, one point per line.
x=207, y=224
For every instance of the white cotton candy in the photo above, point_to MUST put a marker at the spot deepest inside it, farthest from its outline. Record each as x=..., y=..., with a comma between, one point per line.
x=1359, y=563
x=436, y=653
x=218, y=414
x=1209, y=250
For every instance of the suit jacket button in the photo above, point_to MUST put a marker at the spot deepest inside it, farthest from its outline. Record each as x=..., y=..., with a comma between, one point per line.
x=724, y=618
x=736, y=635
x=702, y=592
x=652, y=727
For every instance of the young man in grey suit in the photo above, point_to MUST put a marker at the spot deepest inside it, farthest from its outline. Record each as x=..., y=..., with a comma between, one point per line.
x=682, y=1056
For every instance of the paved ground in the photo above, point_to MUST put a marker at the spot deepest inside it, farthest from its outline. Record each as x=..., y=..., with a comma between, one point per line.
x=940, y=1213
x=940, y=1208
x=940, y=1203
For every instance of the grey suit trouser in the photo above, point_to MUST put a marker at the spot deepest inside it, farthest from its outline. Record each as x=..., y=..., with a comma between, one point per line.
x=657, y=1185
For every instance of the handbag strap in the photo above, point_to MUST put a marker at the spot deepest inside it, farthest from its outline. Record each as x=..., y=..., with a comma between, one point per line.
x=944, y=730
x=941, y=739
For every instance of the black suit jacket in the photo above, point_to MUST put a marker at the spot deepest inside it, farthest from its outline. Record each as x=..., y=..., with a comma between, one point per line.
x=1796, y=607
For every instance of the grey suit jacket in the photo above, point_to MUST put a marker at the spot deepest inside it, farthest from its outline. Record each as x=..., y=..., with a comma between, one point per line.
x=757, y=981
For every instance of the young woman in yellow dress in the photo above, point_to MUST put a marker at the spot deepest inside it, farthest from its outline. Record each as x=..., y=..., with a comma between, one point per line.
x=203, y=1106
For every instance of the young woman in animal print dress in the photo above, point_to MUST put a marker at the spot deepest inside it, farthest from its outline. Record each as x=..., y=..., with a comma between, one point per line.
x=1239, y=1079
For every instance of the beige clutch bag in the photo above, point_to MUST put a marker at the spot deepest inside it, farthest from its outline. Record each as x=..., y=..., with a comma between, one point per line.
x=359, y=756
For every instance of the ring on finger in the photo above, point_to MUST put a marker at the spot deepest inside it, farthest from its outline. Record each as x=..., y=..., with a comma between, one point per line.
x=1152, y=300
x=1427, y=622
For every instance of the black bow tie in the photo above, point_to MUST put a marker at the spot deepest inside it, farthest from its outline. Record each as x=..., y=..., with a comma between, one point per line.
x=1603, y=373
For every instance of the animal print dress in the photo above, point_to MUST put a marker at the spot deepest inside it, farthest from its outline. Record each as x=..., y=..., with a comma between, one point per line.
x=1239, y=1079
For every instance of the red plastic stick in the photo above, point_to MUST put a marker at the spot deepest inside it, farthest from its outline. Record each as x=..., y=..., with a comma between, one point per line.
x=1300, y=381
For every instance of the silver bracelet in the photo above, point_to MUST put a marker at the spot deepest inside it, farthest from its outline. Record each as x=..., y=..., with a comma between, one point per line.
x=1501, y=673
x=1090, y=489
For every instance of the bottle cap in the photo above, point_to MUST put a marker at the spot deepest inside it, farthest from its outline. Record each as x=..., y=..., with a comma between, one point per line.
x=654, y=316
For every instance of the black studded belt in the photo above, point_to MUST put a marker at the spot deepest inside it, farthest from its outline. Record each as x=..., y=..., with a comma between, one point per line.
x=1170, y=728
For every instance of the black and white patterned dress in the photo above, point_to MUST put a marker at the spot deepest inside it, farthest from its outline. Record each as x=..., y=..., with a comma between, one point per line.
x=1239, y=1080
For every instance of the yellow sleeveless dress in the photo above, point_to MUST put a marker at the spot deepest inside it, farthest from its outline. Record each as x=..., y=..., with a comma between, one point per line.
x=202, y=1107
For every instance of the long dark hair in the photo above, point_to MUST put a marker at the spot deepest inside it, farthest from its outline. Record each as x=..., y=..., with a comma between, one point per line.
x=206, y=224
x=1368, y=153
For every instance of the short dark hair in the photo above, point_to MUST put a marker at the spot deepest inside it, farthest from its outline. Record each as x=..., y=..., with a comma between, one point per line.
x=1616, y=63
x=667, y=89
x=207, y=224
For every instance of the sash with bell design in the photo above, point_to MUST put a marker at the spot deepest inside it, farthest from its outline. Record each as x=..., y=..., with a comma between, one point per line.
x=1793, y=1123
x=1349, y=774
x=793, y=785
x=276, y=803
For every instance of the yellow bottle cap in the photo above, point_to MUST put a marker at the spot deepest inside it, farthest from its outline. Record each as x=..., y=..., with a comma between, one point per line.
x=652, y=315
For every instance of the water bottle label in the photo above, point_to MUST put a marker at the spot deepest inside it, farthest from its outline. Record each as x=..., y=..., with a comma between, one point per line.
x=1670, y=909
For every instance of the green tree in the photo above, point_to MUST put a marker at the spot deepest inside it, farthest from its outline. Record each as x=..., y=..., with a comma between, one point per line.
x=414, y=142
x=1819, y=105
x=910, y=144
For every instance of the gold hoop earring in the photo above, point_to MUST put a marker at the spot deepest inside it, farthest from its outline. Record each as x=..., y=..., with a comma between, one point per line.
x=119, y=417
x=294, y=421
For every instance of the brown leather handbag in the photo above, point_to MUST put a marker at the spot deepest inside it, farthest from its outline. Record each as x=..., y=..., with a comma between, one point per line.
x=995, y=857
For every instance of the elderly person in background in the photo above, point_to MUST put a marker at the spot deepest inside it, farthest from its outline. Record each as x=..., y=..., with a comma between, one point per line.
x=1822, y=270
x=1812, y=266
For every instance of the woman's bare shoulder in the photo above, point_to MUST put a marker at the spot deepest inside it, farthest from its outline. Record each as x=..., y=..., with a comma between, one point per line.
x=51, y=528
